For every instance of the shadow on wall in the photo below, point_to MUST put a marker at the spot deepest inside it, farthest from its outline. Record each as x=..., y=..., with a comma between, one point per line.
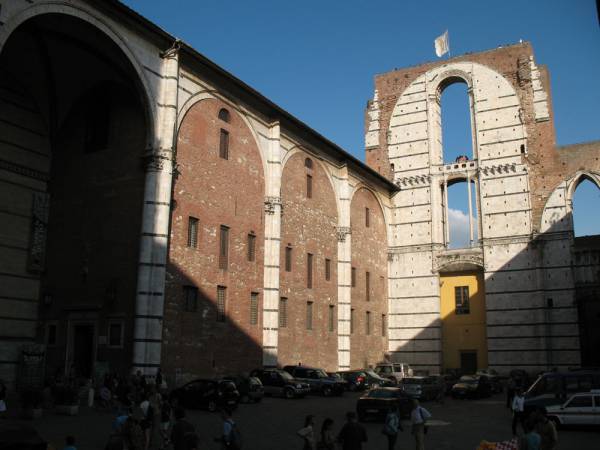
x=531, y=319
x=199, y=340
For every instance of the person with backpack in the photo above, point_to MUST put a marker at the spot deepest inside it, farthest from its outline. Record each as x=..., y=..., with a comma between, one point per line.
x=232, y=438
x=418, y=419
x=352, y=435
x=392, y=426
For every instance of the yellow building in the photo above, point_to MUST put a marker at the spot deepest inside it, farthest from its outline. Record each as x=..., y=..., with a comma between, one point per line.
x=464, y=344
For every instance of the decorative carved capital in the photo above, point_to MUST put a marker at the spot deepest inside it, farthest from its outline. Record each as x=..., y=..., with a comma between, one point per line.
x=155, y=161
x=342, y=232
x=271, y=204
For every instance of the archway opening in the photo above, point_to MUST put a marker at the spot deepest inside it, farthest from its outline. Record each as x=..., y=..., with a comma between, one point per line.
x=461, y=221
x=585, y=215
x=75, y=124
x=457, y=136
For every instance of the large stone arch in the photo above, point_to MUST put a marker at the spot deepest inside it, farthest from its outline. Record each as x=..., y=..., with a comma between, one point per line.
x=88, y=15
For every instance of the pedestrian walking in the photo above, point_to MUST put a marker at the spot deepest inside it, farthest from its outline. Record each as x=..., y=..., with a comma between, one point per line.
x=183, y=434
x=392, y=426
x=231, y=438
x=307, y=433
x=547, y=431
x=326, y=438
x=352, y=435
x=518, y=408
x=418, y=419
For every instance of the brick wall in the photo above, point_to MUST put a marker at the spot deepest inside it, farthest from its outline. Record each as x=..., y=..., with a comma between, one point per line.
x=369, y=254
x=217, y=192
x=308, y=225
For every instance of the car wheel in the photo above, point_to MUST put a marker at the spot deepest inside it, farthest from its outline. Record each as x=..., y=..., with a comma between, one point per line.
x=212, y=405
x=327, y=391
x=288, y=393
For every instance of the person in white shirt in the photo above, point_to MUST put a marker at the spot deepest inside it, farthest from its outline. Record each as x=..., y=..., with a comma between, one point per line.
x=418, y=420
x=518, y=406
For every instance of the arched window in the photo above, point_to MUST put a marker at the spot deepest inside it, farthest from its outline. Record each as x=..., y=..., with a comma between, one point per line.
x=586, y=200
x=461, y=222
x=457, y=138
x=308, y=163
x=309, y=179
x=224, y=115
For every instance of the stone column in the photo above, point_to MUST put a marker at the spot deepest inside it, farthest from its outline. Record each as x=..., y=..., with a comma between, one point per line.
x=447, y=217
x=344, y=272
x=273, y=210
x=147, y=334
x=470, y=210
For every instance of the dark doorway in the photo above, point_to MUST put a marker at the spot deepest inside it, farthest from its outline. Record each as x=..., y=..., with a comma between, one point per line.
x=468, y=362
x=83, y=350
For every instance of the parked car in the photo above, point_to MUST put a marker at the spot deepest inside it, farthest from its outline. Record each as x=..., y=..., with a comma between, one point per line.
x=375, y=381
x=394, y=371
x=209, y=394
x=579, y=409
x=377, y=403
x=318, y=380
x=494, y=379
x=336, y=376
x=422, y=388
x=356, y=380
x=553, y=388
x=472, y=386
x=250, y=388
x=279, y=382
x=450, y=379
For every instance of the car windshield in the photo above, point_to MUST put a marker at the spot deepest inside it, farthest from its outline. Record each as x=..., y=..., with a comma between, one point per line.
x=321, y=373
x=285, y=375
x=383, y=369
x=372, y=374
x=467, y=379
x=381, y=393
x=540, y=386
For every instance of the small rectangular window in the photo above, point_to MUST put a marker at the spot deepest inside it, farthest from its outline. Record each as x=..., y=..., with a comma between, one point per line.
x=253, y=308
x=309, y=186
x=221, y=299
x=368, y=286
x=51, y=334
x=368, y=323
x=251, y=247
x=461, y=297
x=327, y=269
x=331, y=318
x=383, y=325
x=309, y=270
x=282, y=312
x=351, y=320
x=367, y=218
x=224, y=247
x=192, y=232
x=288, y=259
x=224, y=145
x=354, y=277
x=191, y=298
x=115, y=334
x=309, y=315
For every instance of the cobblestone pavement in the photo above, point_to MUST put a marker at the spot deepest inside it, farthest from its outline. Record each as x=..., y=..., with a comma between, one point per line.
x=271, y=425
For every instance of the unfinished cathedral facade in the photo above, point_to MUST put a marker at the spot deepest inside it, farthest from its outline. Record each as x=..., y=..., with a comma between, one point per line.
x=157, y=211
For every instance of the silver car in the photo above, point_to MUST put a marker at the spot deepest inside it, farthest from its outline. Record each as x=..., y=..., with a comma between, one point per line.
x=422, y=388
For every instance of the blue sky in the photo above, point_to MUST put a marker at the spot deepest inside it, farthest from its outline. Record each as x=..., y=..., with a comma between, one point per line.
x=317, y=59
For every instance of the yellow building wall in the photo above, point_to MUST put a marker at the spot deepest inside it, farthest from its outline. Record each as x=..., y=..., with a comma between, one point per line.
x=463, y=332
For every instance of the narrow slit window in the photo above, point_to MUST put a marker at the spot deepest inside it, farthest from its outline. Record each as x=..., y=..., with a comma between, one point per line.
x=309, y=186
x=221, y=299
x=253, y=308
x=283, y=312
x=309, y=315
x=368, y=286
x=327, y=269
x=368, y=323
x=353, y=273
x=331, y=318
x=288, y=258
x=192, y=232
x=309, y=270
x=383, y=325
x=224, y=247
x=115, y=334
x=191, y=298
x=251, y=247
x=224, y=144
x=51, y=334
x=367, y=218
x=461, y=296
x=351, y=320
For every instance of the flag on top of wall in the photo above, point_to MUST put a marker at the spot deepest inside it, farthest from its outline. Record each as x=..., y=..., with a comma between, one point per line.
x=441, y=44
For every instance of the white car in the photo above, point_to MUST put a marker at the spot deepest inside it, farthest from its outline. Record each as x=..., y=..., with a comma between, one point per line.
x=394, y=371
x=580, y=409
